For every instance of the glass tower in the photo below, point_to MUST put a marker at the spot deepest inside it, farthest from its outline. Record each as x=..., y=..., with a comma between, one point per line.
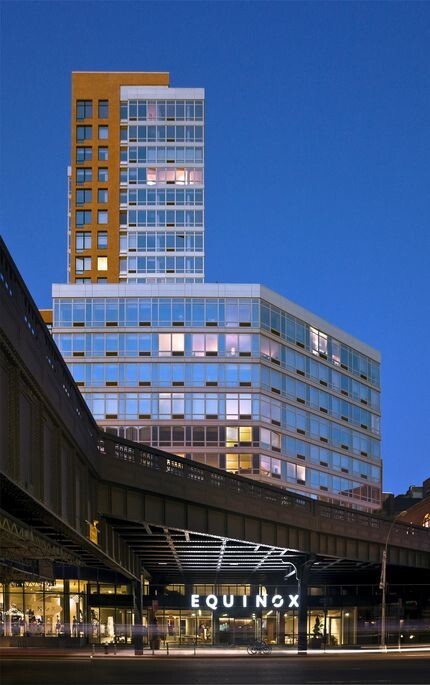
x=231, y=375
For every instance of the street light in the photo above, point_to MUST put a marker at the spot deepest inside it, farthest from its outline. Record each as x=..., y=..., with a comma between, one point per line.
x=383, y=580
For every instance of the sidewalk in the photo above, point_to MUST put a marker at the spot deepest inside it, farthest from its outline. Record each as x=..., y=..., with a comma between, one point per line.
x=186, y=652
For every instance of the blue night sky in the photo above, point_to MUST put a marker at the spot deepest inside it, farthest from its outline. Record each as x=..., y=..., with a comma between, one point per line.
x=317, y=159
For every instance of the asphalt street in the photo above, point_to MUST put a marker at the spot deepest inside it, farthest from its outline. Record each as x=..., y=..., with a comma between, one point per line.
x=379, y=669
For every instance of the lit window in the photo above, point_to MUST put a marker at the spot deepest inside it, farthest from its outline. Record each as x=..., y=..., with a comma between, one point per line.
x=84, y=109
x=265, y=466
x=102, y=216
x=84, y=133
x=84, y=175
x=83, y=241
x=318, y=342
x=103, y=175
x=102, y=240
x=232, y=463
x=103, y=154
x=102, y=195
x=102, y=263
x=103, y=132
x=238, y=435
x=103, y=109
x=198, y=345
x=171, y=344
x=82, y=264
x=211, y=344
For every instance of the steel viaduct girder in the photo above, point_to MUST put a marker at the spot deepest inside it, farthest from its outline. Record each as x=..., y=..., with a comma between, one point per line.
x=164, y=494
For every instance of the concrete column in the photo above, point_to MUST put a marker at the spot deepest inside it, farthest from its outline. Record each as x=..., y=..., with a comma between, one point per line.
x=137, y=610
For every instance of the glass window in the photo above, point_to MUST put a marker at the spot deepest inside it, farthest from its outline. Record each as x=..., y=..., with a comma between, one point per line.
x=83, y=217
x=102, y=195
x=103, y=109
x=102, y=174
x=84, y=154
x=103, y=154
x=171, y=344
x=102, y=216
x=103, y=132
x=83, y=196
x=102, y=240
x=82, y=264
x=102, y=263
x=83, y=241
x=84, y=109
x=84, y=175
x=84, y=133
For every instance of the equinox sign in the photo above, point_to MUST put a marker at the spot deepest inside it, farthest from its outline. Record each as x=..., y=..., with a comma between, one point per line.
x=251, y=601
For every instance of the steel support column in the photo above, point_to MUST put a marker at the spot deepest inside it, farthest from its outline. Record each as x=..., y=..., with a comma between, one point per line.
x=137, y=610
x=303, y=571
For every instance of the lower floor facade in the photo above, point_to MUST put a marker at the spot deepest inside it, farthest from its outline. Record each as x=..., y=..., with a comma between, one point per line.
x=84, y=612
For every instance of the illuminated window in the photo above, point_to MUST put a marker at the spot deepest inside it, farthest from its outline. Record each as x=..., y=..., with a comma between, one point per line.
x=238, y=406
x=245, y=463
x=171, y=344
x=238, y=435
x=265, y=469
x=198, y=345
x=318, y=342
x=202, y=345
x=232, y=463
x=102, y=263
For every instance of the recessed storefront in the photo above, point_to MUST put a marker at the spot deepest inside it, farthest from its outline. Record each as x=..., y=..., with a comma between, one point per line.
x=88, y=612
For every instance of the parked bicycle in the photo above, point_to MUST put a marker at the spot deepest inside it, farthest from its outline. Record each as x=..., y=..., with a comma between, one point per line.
x=259, y=647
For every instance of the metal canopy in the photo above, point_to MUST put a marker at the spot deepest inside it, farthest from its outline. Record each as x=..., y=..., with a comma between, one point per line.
x=183, y=555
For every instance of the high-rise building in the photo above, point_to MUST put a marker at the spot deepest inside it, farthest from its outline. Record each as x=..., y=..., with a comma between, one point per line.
x=136, y=182
x=232, y=375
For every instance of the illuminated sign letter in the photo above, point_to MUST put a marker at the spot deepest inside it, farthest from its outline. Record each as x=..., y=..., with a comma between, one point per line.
x=277, y=601
x=261, y=601
x=227, y=601
x=195, y=601
x=294, y=601
x=244, y=601
x=212, y=602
